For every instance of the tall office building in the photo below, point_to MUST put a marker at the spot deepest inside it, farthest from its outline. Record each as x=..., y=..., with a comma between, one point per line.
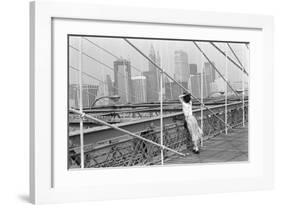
x=73, y=95
x=210, y=71
x=109, y=85
x=139, y=86
x=153, y=77
x=195, y=85
x=167, y=88
x=151, y=86
x=209, y=74
x=122, y=81
x=102, y=91
x=89, y=94
x=193, y=69
x=181, y=66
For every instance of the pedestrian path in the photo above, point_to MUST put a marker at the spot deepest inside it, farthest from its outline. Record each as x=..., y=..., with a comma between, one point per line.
x=222, y=148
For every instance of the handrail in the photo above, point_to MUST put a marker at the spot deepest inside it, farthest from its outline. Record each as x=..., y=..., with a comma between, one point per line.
x=89, y=130
x=127, y=132
x=125, y=138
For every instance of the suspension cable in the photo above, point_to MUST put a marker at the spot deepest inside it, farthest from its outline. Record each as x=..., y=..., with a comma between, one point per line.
x=151, y=61
x=110, y=53
x=233, y=52
x=214, y=67
x=230, y=59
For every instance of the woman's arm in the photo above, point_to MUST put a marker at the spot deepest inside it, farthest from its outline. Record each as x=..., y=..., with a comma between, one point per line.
x=181, y=98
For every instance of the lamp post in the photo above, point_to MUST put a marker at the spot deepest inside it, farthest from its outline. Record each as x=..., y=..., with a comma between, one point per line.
x=113, y=98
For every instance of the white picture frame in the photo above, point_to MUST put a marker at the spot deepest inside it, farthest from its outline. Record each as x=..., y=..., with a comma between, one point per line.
x=50, y=182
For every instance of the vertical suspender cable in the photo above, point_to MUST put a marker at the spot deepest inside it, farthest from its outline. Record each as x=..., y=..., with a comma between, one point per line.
x=243, y=84
x=161, y=116
x=225, y=92
x=81, y=102
x=201, y=94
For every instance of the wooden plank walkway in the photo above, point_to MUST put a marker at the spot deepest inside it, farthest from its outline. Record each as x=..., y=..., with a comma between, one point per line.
x=222, y=148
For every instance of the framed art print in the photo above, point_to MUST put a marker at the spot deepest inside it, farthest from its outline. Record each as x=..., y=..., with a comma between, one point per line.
x=148, y=104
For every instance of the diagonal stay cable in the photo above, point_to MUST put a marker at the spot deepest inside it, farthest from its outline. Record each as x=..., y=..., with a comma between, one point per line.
x=94, y=59
x=233, y=52
x=110, y=53
x=82, y=114
x=230, y=59
x=165, y=73
x=214, y=67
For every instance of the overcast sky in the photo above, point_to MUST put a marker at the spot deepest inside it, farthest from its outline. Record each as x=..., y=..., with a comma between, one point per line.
x=166, y=49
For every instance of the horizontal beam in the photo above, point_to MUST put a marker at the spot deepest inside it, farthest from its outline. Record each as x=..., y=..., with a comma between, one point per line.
x=94, y=135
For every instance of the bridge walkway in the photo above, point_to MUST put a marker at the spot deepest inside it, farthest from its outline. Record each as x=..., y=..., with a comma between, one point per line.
x=222, y=148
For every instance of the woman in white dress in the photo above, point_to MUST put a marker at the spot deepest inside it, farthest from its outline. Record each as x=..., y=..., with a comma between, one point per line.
x=192, y=125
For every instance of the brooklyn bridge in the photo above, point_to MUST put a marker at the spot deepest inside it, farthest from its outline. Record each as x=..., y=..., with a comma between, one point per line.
x=138, y=120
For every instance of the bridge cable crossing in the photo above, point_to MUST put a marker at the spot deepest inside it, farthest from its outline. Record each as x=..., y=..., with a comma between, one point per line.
x=151, y=61
x=241, y=67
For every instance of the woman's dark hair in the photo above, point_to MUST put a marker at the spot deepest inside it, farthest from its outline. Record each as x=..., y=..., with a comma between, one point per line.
x=187, y=98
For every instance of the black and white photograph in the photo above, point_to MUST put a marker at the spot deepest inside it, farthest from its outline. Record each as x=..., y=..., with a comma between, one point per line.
x=151, y=101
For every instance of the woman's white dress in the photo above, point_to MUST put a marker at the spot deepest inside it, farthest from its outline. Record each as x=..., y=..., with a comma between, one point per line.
x=191, y=121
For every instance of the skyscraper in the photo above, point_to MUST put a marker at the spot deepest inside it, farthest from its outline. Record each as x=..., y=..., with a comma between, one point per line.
x=151, y=86
x=89, y=94
x=139, y=86
x=195, y=85
x=122, y=80
x=209, y=76
x=152, y=56
x=109, y=85
x=193, y=69
x=153, y=77
x=209, y=70
x=181, y=66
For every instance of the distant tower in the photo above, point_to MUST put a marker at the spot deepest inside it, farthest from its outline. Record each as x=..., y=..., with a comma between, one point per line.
x=158, y=62
x=209, y=70
x=209, y=74
x=181, y=66
x=152, y=56
x=152, y=77
x=109, y=85
x=122, y=80
x=193, y=69
x=92, y=92
x=195, y=85
x=139, y=85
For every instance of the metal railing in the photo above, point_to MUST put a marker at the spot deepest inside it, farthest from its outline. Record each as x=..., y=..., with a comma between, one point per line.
x=129, y=150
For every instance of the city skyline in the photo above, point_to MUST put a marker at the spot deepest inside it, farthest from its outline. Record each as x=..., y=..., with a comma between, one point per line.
x=165, y=50
x=121, y=77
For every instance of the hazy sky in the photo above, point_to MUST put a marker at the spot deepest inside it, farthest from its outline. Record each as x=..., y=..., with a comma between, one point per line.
x=166, y=49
